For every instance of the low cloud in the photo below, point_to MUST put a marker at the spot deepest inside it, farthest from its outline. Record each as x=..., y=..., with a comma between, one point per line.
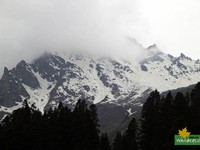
x=29, y=27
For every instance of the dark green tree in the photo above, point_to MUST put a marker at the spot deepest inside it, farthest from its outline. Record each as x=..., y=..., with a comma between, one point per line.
x=104, y=142
x=58, y=128
x=149, y=135
x=195, y=110
x=130, y=136
x=166, y=119
x=181, y=105
x=117, y=143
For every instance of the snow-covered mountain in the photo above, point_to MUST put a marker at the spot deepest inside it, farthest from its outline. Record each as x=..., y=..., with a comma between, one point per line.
x=109, y=80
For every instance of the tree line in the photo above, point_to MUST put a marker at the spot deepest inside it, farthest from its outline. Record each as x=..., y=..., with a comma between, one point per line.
x=162, y=117
x=57, y=129
x=78, y=129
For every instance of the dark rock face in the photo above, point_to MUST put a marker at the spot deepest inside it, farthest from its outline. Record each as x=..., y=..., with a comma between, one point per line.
x=86, y=87
x=115, y=90
x=121, y=67
x=181, y=66
x=24, y=74
x=153, y=58
x=182, y=57
x=103, y=77
x=73, y=71
x=50, y=67
x=62, y=93
x=11, y=89
x=144, y=68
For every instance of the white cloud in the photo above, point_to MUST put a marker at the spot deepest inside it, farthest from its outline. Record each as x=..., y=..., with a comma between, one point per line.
x=28, y=27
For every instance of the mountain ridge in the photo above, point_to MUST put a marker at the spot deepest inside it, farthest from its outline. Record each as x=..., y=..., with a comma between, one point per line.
x=107, y=81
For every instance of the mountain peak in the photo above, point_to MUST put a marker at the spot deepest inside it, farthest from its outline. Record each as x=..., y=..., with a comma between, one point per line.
x=22, y=63
x=153, y=46
x=5, y=73
x=153, y=50
x=184, y=57
x=5, y=69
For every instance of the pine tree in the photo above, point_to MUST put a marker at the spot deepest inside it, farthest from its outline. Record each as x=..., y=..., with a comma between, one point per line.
x=166, y=119
x=129, y=138
x=81, y=106
x=104, y=142
x=149, y=135
x=117, y=144
x=181, y=105
x=93, y=128
x=195, y=109
x=59, y=128
x=195, y=96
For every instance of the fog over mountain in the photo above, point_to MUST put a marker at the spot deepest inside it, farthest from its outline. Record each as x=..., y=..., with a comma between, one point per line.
x=28, y=27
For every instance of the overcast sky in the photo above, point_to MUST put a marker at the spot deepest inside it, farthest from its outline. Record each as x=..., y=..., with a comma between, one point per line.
x=28, y=27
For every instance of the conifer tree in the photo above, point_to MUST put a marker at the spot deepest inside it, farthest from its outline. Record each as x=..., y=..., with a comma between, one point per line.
x=93, y=128
x=129, y=138
x=104, y=142
x=59, y=128
x=195, y=96
x=195, y=109
x=181, y=105
x=166, y=119
x=117, y=143
x=149, y=122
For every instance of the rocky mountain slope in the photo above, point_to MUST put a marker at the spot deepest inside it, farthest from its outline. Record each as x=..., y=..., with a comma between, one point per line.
x=117, y=85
